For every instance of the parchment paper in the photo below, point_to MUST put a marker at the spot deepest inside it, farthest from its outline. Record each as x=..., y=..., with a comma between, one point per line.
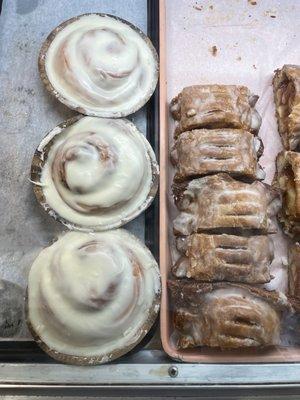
x=252, y=39
x=27, y=113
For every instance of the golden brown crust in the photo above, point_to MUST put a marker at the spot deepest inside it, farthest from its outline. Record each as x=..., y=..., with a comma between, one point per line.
x=202, y=152
x=287, y=179
x=215, y=106
x=294, y=270
x=286, y=86
x=226, y=258
x=219, y=203
x=226, y=315
x=187, y=293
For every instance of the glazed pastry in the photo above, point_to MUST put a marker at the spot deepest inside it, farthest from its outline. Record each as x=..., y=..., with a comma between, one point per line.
x=99, y=65
x=222, y=204
x=92, y=296
x=203, y=152
x=94, y=173
x=225, y=258
x=226, y=315
x=294, y=270
x=287, y=178
x=215, y=106
x=286, y=85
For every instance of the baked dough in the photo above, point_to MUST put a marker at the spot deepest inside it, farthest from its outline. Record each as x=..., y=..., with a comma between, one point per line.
x=287, y=179
x=294, y=270
x=92, y=296
x=226, y=315
x=225, y=258
x=215, y=106
x=99, y=65
x=95, y=173
x=222, y=204
x=286, y=85
x=204, y=152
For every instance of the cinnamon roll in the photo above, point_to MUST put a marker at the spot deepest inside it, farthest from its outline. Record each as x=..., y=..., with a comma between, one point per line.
x=99, y=65
x=92, y=296
x=94, y=174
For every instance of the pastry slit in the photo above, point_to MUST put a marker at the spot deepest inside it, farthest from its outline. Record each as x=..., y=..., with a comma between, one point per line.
x=231, y=247
x=244, y=321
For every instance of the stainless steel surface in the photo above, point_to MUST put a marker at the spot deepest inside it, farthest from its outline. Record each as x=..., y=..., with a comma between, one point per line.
x=148, y=374
x=275, y=397
x=279, y=397
x=218, y=381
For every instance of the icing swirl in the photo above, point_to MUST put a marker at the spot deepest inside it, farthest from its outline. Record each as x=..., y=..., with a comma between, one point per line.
x=101, y=64
x=99, y=173
x=90, y=295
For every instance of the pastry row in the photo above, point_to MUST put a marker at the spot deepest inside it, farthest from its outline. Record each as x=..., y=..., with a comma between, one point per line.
x=286, y=85
x=225, y=217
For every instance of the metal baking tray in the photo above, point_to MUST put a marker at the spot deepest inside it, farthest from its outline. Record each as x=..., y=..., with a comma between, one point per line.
x=27, y=113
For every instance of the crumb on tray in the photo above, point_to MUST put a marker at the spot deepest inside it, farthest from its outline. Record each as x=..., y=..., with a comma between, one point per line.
x=239, y=58
x=252, y=2
x=213, y=50
x=197, y=6
x=270, y=13
x=211, y=7
x=254, y=66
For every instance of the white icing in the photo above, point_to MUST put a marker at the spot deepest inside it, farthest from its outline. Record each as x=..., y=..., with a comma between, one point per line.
x=90, y=294
x=255, y=120
x=102, y=65
x=107, y=168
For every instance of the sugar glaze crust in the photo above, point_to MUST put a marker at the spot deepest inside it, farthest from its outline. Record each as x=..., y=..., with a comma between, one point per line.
x=287, y=179
x=220, y=203
x=226, y=315
x=215, y=106
x=203, y=152
x=92, y=297
x=100, y=65
x=82, y=167
x=286, y=86
x=224, y=257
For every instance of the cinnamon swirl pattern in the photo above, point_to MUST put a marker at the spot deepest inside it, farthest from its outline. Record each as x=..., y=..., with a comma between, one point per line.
x=92, y=296
x=95, y=174
x=99, y=65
